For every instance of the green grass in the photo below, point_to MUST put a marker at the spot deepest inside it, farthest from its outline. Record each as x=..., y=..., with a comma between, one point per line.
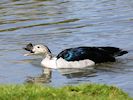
x=80, y=92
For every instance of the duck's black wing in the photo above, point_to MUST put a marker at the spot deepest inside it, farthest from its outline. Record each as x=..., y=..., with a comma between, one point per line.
x=96, y=54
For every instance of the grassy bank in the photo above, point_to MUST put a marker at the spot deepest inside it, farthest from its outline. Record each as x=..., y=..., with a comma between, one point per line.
x=80, y=92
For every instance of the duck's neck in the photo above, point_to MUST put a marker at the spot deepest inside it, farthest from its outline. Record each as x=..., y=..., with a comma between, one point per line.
x=48, y=55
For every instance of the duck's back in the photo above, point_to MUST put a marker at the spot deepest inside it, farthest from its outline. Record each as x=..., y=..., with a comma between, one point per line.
x=96, y=54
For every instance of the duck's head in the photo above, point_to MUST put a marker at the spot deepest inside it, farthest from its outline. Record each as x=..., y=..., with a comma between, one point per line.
x=36, y=49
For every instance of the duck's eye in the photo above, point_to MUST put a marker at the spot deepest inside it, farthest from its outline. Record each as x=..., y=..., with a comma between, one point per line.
x=38, y=47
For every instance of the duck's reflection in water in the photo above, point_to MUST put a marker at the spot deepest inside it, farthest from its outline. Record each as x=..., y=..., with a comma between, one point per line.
x=46, y=75
x=78, y=73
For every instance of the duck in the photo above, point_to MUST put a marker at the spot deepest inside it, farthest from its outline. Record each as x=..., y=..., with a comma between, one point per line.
x=77, y=57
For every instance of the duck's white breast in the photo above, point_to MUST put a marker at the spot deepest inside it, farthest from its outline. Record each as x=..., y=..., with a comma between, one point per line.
x=61, y=63
x=49, y=63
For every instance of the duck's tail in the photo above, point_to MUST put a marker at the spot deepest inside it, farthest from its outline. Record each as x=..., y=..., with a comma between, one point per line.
x=121, y=53
x=113, y=51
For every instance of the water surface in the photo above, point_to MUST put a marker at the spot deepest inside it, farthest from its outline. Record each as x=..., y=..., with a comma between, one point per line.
x=61, y=24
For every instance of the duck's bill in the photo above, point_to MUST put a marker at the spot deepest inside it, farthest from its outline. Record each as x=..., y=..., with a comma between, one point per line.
x=29, y=48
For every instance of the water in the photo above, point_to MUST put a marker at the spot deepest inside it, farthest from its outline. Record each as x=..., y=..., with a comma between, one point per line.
x=61, y=24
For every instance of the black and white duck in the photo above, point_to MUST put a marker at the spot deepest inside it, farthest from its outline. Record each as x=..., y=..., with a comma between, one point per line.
x=78, y=57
